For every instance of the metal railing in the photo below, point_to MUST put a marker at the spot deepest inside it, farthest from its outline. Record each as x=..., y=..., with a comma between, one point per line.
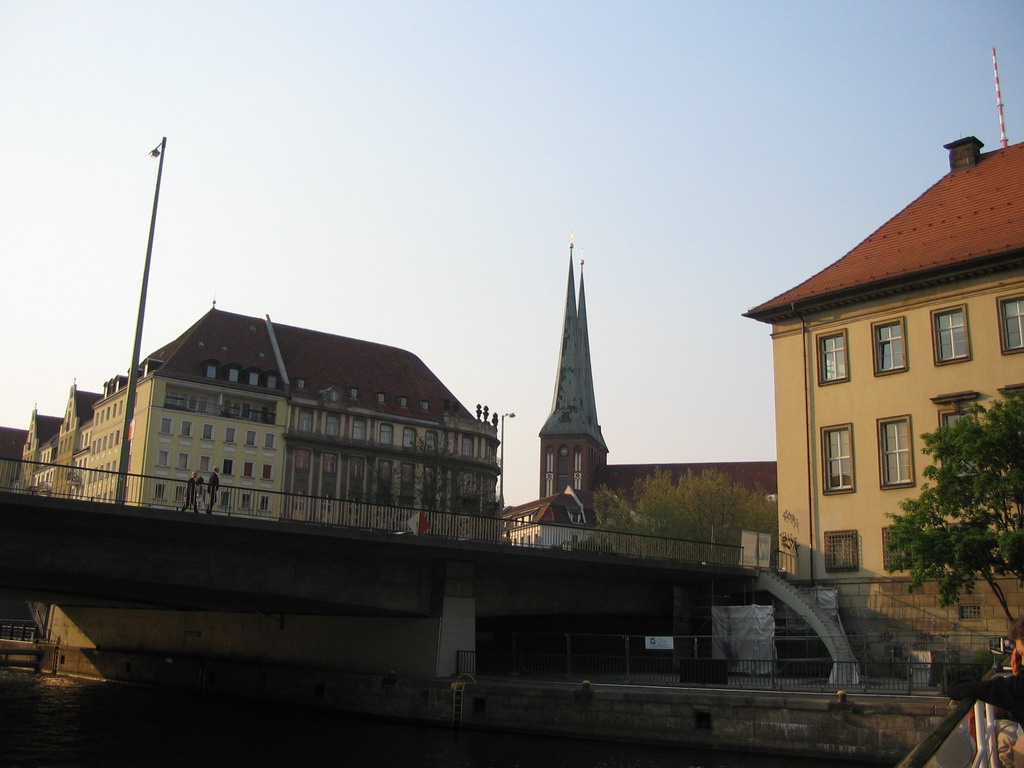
x=244, y=500
x=24, y=631
x=783, y=662
x=816, y=674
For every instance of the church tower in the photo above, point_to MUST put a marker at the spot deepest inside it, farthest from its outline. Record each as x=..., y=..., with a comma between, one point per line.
x=572, y=449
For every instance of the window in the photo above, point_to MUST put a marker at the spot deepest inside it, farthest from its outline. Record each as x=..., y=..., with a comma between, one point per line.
x=359, y=429
x=1011, y=311
x=268, y=471
x=210, y=370
x=183, y=460
x=403, y=401
x=969, y=612
x=467, y=445
x=332, y=426
x=254, y=378
x=229, y=434
x=300, y=383
x=160, y=492
x=408, y=481
x=408, y=437
x=353, y=392
x=887, y=554
x=165, y=426
x=302, y=459
x=330, y=463
x=387, y=434
x=247, y=469
x=841, y=551
x=305, y=421
x=233, y=374
x=229, y=466
x=204, y=463
x=430, y=440
x=890, y=350
x=272, y=381
x=381, y=397
x=163, y=458
x=250, y=437
x=951, y=340
x=186, y=429
x=424, y=405
x=894, y=451
x=832, y=358
x=838, y=454
x=268, y=441
x=207, y=431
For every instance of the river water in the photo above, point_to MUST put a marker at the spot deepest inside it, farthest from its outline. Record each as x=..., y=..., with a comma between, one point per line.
x=60, y=722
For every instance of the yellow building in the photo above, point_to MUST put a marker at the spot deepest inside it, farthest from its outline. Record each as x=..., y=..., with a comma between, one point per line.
x=272, y=408
x=921, y=319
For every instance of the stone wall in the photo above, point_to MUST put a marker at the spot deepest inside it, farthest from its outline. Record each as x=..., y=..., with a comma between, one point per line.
x=863, y=728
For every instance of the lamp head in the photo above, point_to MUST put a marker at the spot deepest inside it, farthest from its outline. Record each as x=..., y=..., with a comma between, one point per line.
x=155, y=152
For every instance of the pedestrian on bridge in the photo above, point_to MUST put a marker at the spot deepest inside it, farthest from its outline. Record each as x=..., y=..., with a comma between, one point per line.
x=191, y=499
x=214, y=486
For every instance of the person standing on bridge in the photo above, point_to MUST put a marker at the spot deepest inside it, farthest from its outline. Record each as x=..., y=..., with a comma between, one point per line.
x=190, y=494
x=214, y=486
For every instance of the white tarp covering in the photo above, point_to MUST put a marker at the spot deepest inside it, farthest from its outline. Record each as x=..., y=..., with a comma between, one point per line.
x=755, y=549
x=745, y=635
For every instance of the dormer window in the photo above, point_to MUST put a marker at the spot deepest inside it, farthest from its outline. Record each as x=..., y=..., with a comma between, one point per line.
x=254, y=378
x=404, y=402
x=381, y=397
x=300, y=383
x=353, y=392
x=272, y=381
x=233, y=373
x=210, y=370
x=424, y=405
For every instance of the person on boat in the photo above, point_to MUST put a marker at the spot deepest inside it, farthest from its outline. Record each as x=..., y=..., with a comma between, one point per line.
x=1007, y=693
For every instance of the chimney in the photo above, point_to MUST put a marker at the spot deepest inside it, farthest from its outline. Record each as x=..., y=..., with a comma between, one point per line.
x=964, y=153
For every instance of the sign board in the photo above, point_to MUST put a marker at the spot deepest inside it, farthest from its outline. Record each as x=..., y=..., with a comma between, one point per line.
x=658, y=643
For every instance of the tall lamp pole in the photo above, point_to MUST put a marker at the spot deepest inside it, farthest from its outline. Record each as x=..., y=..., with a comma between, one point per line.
x=133, y=372
x=501, y=493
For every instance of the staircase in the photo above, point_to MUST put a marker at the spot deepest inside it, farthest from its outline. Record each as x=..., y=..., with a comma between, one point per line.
x=844, y=670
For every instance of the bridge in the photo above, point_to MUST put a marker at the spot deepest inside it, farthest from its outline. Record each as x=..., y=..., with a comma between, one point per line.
x=325, y=581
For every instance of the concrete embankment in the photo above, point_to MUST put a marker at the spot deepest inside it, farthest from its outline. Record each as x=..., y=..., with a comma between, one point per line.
x=866, y=728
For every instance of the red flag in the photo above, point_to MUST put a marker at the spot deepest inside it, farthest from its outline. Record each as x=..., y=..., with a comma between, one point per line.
x=418, y=523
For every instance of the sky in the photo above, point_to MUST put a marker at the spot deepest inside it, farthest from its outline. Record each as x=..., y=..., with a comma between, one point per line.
x=409, y=173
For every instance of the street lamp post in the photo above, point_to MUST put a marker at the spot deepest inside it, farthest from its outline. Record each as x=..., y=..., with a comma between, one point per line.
x=501, y=460
x=133, y=372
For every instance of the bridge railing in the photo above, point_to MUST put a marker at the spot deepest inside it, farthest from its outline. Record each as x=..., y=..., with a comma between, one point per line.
x=173, y=493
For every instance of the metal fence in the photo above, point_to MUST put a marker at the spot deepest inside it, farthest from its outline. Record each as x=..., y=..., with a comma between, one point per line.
x=783, y=663
x=817, y=674
x=172, y=493
x=25, y=631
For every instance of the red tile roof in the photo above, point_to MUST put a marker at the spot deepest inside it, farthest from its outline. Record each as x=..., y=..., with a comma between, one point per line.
x=320, y=360
x=12, y=442
x=967, y=219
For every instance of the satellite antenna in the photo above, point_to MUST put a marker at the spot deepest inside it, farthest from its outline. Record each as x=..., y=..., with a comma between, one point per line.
x=999, y=102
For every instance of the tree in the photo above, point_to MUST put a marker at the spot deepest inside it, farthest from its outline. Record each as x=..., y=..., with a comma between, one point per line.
x=703, y=507
x=968, y=521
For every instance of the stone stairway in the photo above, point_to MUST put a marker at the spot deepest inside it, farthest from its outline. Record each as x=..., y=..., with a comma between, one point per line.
x=845, y=672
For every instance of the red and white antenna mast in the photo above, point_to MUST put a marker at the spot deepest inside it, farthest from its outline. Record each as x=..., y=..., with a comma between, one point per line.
x=999, y=102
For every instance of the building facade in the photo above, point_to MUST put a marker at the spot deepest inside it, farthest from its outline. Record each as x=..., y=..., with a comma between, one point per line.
x=920, y=320
x=274, y=408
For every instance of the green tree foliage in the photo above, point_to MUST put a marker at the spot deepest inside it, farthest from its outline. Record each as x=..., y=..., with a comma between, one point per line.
x=704, y=507
x=968, y=522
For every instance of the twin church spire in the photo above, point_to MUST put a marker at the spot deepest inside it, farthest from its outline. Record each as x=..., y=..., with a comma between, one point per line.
x=572, y=430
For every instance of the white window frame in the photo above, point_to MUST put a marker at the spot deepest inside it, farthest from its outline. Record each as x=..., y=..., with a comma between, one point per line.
x=895, y=452
x=837, y=458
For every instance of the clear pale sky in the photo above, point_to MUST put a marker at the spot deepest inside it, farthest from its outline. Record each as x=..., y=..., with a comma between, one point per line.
x=409, y=173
